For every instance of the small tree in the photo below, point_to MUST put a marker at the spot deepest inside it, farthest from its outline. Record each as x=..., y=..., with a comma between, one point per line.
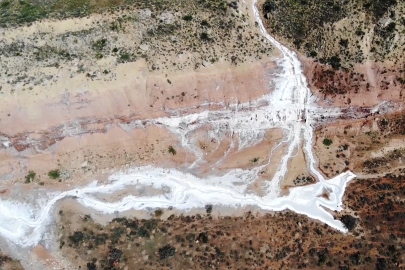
x=349, y=222
x=76, y=237
x=204, y=36
x=205, y=23
x=327, y=142
x=166, y=252
x=54, y=174
x=172, y=150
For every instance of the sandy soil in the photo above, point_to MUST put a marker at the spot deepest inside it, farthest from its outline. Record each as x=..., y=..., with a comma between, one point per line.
x=373, y=83
x=224, y=158
x=81, y=124
x=367, y=147
x=134, y=93
x=297, y=169
x=66, y=128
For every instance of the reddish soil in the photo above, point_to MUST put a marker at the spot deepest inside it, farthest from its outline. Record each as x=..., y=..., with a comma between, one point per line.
x=374, y=212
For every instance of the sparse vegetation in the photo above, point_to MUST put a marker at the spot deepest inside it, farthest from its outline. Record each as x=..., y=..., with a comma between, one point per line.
x=204, y=36
x=349, y=222
x=188, y=17
x=79, y=50
x=125, y=57
x=352, y=149
x=303, y=180
x=327, y=142
x=243, y=242
x=333, y=33
x=307, y=22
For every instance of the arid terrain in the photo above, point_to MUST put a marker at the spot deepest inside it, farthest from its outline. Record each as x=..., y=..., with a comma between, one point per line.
x=81, y=82
x=272, y=241
x=352, y=50
x=91, y=88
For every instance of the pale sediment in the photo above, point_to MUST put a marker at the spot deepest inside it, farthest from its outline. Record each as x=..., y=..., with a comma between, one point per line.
x=61, y=130
x=160, y=121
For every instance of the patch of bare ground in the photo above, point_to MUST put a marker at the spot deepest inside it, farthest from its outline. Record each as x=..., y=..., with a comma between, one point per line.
x=8, y=263
x=366, y=147
x=225, y=158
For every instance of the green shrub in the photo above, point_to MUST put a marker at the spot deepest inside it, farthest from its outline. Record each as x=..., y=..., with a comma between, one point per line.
x=269, y=6
x=116, y=234
x=322, y=258
x=188, y=18
x=344, y=42
x=99, y=44
x=327, y=142
x=205, y=23
x=204, y=36
x=91, y=266
x=115, y=255
x=30, y=177
x=334, y=61
x=158, y=212
x=5, y=4
x=203, y=237
x=143, y=232
x=313, y=54
x=172, y=150
x=54, y=174
x=125, y=57
x=77, y=237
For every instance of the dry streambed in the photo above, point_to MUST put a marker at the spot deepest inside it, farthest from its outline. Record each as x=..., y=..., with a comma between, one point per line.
x=232, y=127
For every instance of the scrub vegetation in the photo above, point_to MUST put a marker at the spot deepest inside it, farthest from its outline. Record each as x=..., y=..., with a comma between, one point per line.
x=273, y=241
x=334, y=31
x=340, y=36
x=169, y=35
